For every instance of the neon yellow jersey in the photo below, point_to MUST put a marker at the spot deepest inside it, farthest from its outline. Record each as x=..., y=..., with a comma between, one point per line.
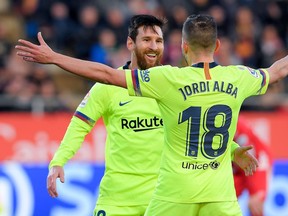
x=200, y=107
x=133, y=148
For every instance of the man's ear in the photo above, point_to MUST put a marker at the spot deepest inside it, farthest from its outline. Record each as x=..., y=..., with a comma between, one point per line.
x=130, y=44
x=185, y=47
x=218, y=43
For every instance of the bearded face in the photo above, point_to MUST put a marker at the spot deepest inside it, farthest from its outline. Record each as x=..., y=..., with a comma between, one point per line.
x=149, y=46
x=147, y=58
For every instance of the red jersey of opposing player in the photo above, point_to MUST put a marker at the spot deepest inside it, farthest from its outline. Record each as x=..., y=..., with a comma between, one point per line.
x=258, y=182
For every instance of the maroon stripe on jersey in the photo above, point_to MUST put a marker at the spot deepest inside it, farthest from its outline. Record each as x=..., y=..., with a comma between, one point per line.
x=207, y=71
x=135, y=80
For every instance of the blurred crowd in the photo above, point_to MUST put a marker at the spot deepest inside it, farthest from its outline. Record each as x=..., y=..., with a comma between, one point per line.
x=252, y=32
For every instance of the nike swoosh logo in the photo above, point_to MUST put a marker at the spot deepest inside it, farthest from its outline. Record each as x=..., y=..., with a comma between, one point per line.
x=124, y=103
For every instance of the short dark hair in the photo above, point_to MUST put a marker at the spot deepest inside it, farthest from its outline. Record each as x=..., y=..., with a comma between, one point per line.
x=200, y=32
x=143, y=20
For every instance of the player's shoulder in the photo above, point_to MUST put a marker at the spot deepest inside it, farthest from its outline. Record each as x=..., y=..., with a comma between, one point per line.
x=163, y=68
x=105, y=90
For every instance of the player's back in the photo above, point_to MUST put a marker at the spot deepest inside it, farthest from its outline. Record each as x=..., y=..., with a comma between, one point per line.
x=199, y=105
x=206, y=102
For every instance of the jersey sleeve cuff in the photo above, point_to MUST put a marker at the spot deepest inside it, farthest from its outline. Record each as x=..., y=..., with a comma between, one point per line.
x=234, y=146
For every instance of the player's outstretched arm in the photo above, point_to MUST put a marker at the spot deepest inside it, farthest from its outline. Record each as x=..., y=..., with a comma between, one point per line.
x=54, y=173
x=245, y=160
x=43, y=54
x=278, y=70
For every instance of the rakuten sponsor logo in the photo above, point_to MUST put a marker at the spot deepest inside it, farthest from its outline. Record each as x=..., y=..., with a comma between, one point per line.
x=140, y=124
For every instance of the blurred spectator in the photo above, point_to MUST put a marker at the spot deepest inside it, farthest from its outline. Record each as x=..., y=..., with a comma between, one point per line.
x=221, y=18
x=226, y=55
x=86, y=34
x=108, y=51
x=104, y=50
x=253, y=33
x=117, y=22
x=25, y=88
x=62, y=25
x=275, y=14
x=138, y=6
x=257, y=184
x=246, y=30
x=173, y=53
x=271, y=45
x=177, y=17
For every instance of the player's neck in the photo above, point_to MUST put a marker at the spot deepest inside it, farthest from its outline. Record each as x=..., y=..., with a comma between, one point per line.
x=194, y=59
x=133, y=64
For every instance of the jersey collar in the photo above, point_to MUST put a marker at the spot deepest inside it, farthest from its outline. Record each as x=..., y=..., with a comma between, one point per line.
x=201, y=65
x=126, y=66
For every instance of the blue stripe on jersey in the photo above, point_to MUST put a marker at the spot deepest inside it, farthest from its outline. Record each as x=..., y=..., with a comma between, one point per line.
x=135, y=80
x=84, y=118
x=263, y=83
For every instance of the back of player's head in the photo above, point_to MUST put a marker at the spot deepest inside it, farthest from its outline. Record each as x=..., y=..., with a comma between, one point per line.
x=143, y=20
x=200, y=32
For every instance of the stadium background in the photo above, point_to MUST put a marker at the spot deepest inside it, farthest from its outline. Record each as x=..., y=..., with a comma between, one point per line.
x=36, y=102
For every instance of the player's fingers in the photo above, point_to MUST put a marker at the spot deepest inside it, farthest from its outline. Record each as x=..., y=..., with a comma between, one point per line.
x=27, y=43
x=26, y=56
x=247, y=148
x=249, y=172
x=23, y=53
x=40, y=39
x=62, y=179
x=254, y=163
x=25, y=49
x=253, y=167
x=51, y=186
x=246, y=170
x=29, y=59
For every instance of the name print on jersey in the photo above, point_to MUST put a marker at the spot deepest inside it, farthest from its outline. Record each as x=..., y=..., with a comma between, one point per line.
x=208, y=86
x=139, y=124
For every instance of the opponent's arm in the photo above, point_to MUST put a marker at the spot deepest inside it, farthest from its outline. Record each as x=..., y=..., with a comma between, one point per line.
x=45, y=55
x=278, y=70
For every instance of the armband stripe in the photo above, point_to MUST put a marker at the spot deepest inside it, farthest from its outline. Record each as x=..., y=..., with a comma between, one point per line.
x=136, y=84
x=84, y=118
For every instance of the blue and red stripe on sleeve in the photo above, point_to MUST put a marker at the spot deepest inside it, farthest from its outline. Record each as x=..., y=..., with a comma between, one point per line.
x=135, y=80
x=84, y=118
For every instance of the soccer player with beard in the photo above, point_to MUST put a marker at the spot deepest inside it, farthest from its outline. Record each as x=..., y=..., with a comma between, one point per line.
x=134, y=130
x=135, y=135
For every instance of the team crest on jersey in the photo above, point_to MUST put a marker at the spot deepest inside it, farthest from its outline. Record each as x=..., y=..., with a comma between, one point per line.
x=214, y=165
x=85, y=99
x=145, y=75
x=253, y=72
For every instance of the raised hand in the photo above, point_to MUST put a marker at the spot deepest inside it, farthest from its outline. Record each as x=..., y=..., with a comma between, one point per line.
x=35, y=53
x=245, y=160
